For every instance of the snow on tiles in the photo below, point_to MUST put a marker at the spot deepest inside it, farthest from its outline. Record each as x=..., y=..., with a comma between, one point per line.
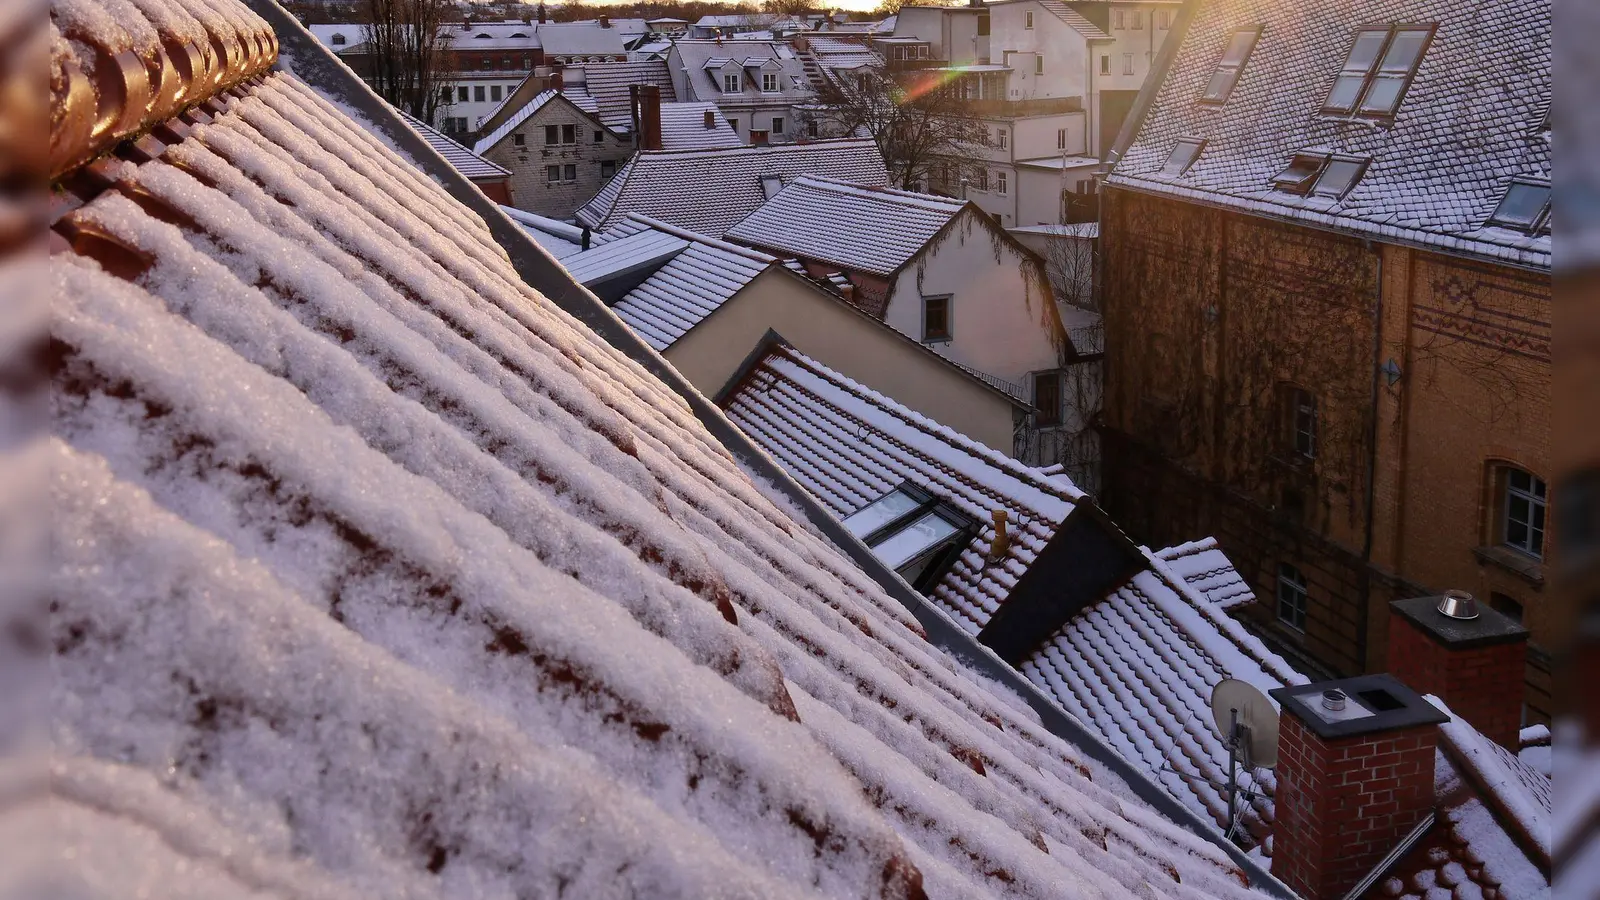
x=426, y=590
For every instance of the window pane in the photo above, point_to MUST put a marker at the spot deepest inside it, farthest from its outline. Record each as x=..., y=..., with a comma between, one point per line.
x=1238, y=48
x=879, y=513
x=1518, y=479
x=1183, y=156
x=1345, y=91
x=1522, y=205
x=1384, y=96
x=1365, y=52
x=1302, y=170
x=909, y=542
x=1221, y=85
x=1404, y=52
x=1338, y=177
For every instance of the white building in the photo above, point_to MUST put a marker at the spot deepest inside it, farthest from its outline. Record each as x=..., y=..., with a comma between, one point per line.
x=756, y=84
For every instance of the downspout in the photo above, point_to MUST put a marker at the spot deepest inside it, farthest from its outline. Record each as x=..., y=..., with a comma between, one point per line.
x=1372, y=451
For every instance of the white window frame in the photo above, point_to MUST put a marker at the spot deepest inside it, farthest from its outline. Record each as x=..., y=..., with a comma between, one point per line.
x=1127, y=63
x=1535, y=497
x=949, y=319
x=1118, y=22
x=1001, y=183
x=732, y=82
x=769, y=82
x=1002, y=138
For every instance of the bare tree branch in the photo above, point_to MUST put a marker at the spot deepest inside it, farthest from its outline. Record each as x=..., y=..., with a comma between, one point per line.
x=919, y=124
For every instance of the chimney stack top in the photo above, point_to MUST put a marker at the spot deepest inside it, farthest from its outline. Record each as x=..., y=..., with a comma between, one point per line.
x=1486, y=627
x=1370, y=704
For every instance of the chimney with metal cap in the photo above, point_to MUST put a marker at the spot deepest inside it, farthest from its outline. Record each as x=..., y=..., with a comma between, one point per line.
x=1354, y=779
x=1470, y=656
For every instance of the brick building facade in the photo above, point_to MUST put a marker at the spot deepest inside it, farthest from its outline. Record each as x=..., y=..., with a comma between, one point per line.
x=559, y=155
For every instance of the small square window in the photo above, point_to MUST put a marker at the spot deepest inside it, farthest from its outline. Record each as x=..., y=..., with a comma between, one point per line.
x=1183, y=155
x=569, y=134
x=1339, y=177
x=518, y=139
x=478, y=94
x=1291, y=597
x=552, y=134
x=935, y=319
x=494, y=92
x=1301, y=172
x=608, y=168
x=777, y=125
x=569, y=172
x=552, y=174
x=599, y=137
x=1525, y=207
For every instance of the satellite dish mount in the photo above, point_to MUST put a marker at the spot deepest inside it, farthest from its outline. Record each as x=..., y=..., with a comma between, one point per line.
x=1248, y=724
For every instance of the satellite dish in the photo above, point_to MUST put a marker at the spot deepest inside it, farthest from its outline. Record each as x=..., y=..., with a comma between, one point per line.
x=1247, y=722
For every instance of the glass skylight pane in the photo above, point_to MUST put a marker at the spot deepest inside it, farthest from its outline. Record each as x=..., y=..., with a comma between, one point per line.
x=1365, y=52
x=909, y=542
x=879, y=513
x=1345, y=91
x=1239, y=48
x=1338, y=177
x=1384, y=96
x=1522, y=206
x=1302, y=170
x=1184, y=153
x=1405, y=51
x=1221, y=85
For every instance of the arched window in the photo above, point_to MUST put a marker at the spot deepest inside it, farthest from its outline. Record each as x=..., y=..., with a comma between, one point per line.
x=338, y=40
x=1291, y=597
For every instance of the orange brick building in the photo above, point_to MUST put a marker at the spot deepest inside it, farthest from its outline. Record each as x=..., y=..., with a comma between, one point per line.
x=1327, y=308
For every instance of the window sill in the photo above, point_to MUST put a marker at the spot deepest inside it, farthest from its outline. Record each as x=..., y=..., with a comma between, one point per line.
x=935, y=342
x=1520, y=564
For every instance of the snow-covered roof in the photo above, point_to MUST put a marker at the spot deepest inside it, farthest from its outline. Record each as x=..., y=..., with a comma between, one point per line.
x=646, y=248
x=515, y=120
x=850, y=445
x=861, y=228
x=608, y=84
x=558, y=238
x=1470, y=122
x=494, y=36
x=1065, y=13
x=700, y=62
x=465, y=161
x=367, y=549
x=581, y=39
x=693, y=284
x=706, y=191
x=683, y=127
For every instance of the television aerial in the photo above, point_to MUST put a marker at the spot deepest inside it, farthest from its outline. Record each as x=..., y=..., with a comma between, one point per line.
x=1248, y=724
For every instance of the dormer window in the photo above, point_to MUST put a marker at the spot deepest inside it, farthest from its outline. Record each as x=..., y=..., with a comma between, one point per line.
x=1231, y=66
x=1378, y=70
x=338, y=40
x=770, y=186
x=731, y=83
x=769, y=82
x=1183, y=155
x=1525, y=207
x=912, y=532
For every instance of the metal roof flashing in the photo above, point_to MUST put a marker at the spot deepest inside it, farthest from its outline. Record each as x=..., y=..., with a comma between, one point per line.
x=1371, y=704
x=305, y=55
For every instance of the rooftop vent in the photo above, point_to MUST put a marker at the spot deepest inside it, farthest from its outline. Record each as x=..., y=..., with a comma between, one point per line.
x=1458, y=605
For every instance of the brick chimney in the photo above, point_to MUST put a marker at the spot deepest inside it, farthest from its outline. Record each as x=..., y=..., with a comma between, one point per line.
x=605, y=21
x=646, y=100
x=1477, y=666
x=1355, y=777
x=711, y=119
x=543, y=16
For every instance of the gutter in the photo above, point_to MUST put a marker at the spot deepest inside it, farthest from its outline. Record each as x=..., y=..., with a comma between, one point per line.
x=304, y=54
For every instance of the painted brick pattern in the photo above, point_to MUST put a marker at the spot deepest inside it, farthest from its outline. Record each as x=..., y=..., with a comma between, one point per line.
x=1343, y=804
x=1483, y=685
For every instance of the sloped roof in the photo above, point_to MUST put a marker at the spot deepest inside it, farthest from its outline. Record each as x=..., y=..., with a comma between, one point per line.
x=488, y=142
x=466, y=162
x=581, y=39
x=694, y=284
x=1066, y=14
x=699, y=62
x=645, y=247
x=1466, y=127
x=863, y=228
x=608, y=84
x=557, y=238
x=706, y=191
x=850, y=445
x=683, y=127
x=431, y=590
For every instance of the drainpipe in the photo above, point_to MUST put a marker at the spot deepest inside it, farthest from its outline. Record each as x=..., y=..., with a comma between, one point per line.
x=1372, y=449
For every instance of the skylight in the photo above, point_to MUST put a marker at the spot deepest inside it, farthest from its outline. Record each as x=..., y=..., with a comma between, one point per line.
x=1525, y=207
x=912, y=532
x=1339, y=177
x=1301, y=172
x=1378, y=70
x=770, y=186
x=1183, y=155
x=1222, y=82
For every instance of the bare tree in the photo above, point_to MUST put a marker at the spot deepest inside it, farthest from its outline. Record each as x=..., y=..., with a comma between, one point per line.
x=408, y=52
x=922, y=128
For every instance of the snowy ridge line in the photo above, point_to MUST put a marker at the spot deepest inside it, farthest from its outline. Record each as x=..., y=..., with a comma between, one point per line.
x=884, y=194
x=696, y=237
x=766, y=149
x=1503, y=779
x=545, y=223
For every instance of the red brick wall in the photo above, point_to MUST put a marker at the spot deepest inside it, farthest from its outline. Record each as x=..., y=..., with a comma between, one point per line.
x=1342, y=805
x=1483, y=685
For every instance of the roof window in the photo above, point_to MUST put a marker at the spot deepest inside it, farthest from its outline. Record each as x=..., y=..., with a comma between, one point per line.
x=1525, y=207
x=1301, y=173
x=1231, y=66
x=912, y=532
x=1378, y=70
x=770, y=185
x=1183, y=155
x=1340, y=176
